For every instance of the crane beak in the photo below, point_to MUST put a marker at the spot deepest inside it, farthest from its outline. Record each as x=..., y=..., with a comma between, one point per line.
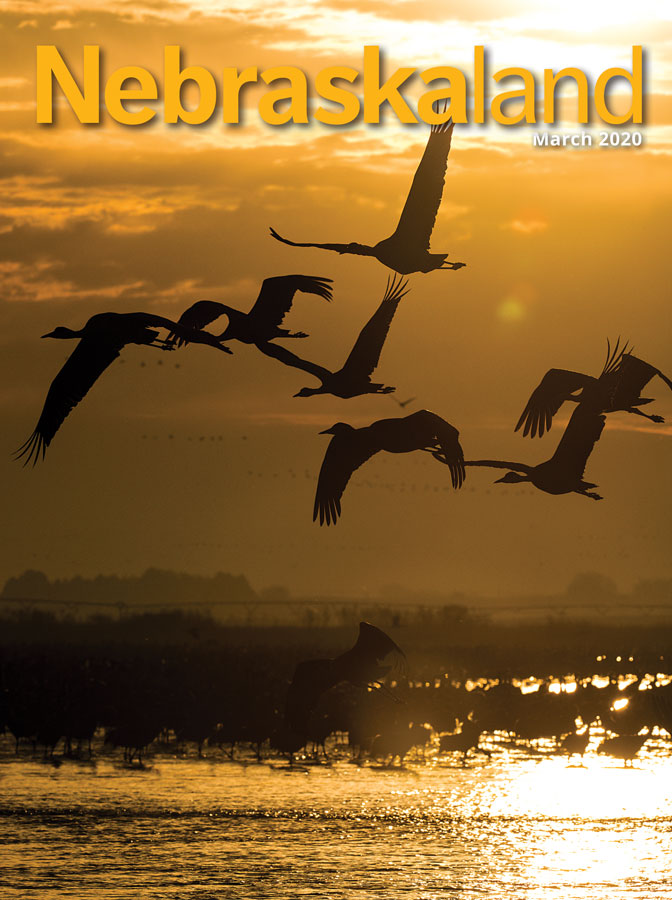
x=500, y=480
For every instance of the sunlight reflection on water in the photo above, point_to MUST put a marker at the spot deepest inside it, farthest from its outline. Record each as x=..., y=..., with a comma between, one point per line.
x=521, y=828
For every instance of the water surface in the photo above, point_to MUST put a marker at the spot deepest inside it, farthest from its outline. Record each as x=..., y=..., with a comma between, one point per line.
x=513, y=826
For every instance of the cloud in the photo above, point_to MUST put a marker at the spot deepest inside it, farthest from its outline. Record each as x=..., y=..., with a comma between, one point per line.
x=45, y=202
x=39, y=282
x=526, y=226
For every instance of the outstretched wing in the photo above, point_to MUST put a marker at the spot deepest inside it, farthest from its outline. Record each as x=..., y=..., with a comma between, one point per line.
x=576, y=444
x=630, y=379
x=444, y=437
x=188, y=328
x=344, y=455
x=555, y=387
x=285, y=356
x=201, y=313
x=374, y=643
x=451, y=452
x=365, y=355
x=423, y=201
x=373, y=657
x=82, y=369
x=276, y=295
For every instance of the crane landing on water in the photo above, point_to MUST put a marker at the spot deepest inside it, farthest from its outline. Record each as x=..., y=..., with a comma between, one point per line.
x=368, y=662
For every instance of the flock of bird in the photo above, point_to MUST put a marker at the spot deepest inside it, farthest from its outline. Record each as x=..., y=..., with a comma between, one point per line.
x=230, y=695
x=618, y=387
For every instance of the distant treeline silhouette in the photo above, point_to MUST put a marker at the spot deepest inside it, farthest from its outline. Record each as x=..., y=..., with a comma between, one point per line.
x=153, y=586
x=231, y=599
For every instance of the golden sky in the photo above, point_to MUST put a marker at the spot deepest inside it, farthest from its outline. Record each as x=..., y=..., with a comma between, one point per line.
x=212, y=465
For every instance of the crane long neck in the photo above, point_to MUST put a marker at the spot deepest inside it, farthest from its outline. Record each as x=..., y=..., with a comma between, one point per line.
x=311, y=392
x=499, y=464
x=230, y=314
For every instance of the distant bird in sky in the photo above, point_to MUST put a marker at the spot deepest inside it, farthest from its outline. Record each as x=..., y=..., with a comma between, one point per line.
x=407, y=250
x=372, y=658
x=403, y=403
x=563, y=472
x=262, y=322
x=352, y=447
x=617, y=388
x=354, y=378
x=101, y=340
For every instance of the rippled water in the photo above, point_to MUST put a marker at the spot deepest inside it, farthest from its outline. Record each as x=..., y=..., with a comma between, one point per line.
x=513, y=826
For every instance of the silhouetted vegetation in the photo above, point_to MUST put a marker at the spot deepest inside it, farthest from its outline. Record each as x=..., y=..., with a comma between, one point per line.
x=155, y=586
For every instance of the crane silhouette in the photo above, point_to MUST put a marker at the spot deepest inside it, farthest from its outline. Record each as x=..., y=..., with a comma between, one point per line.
x=351, y=447
x=407, y=250
x=101, y=340
x=368, y=662
x=563, y=472
x=623, y=746
x=618, y=388
x=262, y=322
x=354, y=378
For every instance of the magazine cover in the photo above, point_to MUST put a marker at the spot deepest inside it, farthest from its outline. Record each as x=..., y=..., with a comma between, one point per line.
x=334, y=553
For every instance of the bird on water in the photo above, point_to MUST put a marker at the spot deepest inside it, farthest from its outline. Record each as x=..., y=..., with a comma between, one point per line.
x=262, y=322
x=407, y=250
x=623, y=746
x=368, y=662
x=351, y=447
x=354, y=378
x=101, y=340
x=617, y=388
x=563, y=472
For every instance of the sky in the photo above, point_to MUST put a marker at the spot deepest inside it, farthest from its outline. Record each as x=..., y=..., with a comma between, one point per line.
x=198, y=462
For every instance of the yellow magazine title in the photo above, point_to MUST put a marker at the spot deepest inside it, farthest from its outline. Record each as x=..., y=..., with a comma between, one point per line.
x=132, y=95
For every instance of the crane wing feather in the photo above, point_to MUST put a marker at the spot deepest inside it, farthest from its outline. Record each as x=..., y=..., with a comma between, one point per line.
x=578, y=440
x=344, y=455
x=201, y=313
x=630, y=378
x=277, y=293
x=365, y=354
x=433, y=431
x=372, y=658
x=424, y=198
x=80, y=372
x=555, y=387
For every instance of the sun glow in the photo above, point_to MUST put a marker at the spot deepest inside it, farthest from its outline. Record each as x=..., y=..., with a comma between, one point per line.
x=602, y=788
